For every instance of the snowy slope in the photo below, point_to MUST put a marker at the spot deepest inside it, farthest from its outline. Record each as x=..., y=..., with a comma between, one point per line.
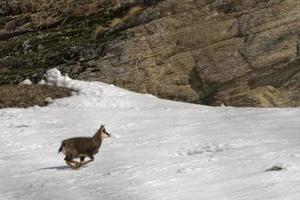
x=159, y=149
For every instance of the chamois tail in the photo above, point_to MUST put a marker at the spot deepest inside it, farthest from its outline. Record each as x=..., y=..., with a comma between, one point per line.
x=61, y=147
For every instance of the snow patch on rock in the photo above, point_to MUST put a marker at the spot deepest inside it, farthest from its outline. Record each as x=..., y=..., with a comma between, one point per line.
x=42, y=82
x=54, y=78
x=26, y=82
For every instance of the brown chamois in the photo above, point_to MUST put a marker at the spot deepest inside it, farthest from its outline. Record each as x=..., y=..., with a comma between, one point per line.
x=80, y=147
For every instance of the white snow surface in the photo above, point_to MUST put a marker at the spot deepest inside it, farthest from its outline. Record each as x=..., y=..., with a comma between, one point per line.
x=159, y=149
x=26, y=82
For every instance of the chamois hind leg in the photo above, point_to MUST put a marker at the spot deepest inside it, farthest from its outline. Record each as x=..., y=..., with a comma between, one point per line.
x=82, y=159
x=69, y=162
x=86, y=162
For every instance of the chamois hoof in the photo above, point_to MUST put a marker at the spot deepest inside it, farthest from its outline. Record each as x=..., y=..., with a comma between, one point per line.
x=78, y=165
x=75, y=167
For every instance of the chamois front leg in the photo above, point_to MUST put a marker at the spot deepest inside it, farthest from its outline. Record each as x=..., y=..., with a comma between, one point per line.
x=86, y=162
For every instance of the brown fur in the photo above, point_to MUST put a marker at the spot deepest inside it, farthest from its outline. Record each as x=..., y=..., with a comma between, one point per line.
x=81, y=147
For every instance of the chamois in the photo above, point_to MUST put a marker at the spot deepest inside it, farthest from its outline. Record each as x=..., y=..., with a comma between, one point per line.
x=80, y=147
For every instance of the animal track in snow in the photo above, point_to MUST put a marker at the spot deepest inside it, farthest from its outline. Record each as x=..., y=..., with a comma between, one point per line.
x=199, y=149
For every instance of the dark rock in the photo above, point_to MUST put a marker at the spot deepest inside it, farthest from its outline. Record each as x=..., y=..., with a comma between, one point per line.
x=274, y=168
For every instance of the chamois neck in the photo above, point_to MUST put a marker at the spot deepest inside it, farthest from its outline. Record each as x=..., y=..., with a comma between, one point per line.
x=97, y=138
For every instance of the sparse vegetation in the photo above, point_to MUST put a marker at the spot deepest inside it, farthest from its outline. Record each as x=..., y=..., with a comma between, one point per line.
x=99, y=31
x=23, y=96
x=56, y=7
x=39, y=14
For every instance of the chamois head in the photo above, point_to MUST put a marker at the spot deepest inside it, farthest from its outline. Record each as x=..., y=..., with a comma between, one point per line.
x=101, y=133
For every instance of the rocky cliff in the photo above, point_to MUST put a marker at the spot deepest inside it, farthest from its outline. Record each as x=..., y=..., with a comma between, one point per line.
x=213, y=52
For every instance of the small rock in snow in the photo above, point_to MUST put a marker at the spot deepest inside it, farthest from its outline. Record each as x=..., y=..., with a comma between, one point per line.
x=274, y=168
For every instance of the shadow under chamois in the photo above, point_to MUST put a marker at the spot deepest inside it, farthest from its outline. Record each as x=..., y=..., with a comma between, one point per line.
x=63, y=167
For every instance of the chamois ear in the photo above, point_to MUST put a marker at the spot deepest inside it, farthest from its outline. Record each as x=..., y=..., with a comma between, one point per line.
x=101, y=127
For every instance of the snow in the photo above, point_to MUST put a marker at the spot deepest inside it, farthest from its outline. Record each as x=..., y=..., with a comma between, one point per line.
x=26, y=82
x=42, y=82
x=159, y=149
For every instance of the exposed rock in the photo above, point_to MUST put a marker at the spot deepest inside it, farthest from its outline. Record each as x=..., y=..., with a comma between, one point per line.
x=237, y=53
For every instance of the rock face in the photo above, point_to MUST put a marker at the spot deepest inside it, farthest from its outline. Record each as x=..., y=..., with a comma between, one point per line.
x=213, y=52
